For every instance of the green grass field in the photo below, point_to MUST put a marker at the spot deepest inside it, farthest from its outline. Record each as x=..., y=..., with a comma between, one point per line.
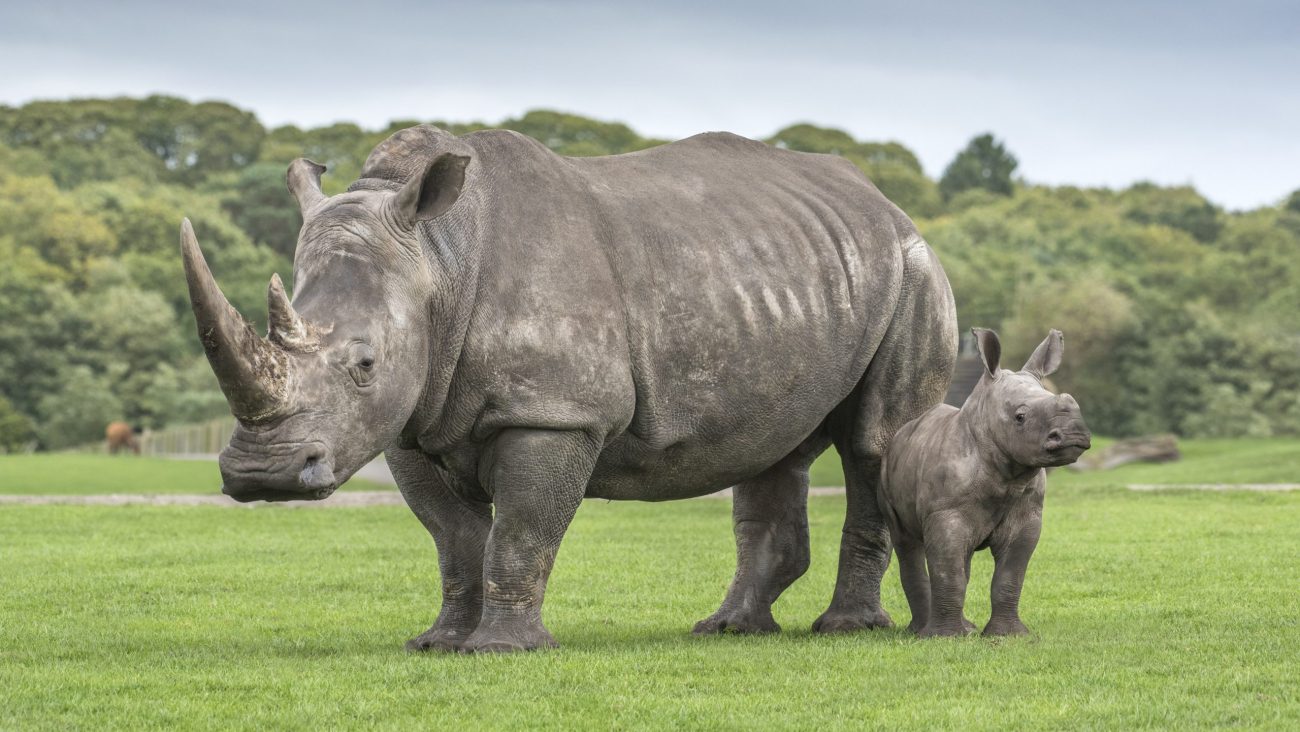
x=1205, y=461
x=76, y=474
x=1171, y=610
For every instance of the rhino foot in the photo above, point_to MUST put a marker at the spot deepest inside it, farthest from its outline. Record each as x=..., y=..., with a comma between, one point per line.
x=1006, y=627
x=956, y=630
x=834, y=621
x=750, y=622
x=508, y=640
x=439, y=640
x=967, y=627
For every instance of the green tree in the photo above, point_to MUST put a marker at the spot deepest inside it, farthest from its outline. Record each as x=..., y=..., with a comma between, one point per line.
x=1179, y=207
x=258, y=202
x=78, y=412
x=894, y=169
x=984, y=163
x=570, y=134
x=16, y=430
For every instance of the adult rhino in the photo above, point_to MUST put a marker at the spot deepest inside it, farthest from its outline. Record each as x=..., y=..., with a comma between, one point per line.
x=522, y=330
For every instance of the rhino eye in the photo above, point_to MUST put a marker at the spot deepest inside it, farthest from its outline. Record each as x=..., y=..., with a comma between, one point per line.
x=363, y=364
x=1020, y=417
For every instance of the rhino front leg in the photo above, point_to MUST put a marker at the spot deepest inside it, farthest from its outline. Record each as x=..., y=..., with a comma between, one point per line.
x=459, y=527
x=916, y=583
x=770, y=518
x=537, y=479
x=1012, y=547
x=947, y=556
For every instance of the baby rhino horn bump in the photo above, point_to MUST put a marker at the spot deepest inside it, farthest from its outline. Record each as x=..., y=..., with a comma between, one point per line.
x=252, y=373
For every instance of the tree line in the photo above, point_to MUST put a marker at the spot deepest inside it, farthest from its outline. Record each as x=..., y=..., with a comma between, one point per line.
x=1180, y=316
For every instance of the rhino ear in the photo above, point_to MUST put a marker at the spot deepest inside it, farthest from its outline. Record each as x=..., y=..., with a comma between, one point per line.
x=432, y=190
x=1046, y=359
x=990, y=349
x=303, y=179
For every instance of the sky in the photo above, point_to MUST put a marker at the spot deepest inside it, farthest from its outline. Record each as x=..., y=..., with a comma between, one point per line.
x=1085, y=93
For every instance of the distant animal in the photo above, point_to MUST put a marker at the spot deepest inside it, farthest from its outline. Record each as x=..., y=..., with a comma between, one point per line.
x=121, y=436
x=956, y=481
x=522, y=330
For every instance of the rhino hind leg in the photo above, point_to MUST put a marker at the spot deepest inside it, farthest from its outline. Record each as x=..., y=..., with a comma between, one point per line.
x=770, y=519
x=908, y=374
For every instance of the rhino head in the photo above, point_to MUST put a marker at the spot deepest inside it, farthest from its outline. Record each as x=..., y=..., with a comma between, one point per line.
x=344, y=363
x=1028, y=425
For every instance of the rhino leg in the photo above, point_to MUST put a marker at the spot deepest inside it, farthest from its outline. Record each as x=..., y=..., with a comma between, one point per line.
x=864, y=555
x=1013, y=543
x=947, y=556
x=459, y=527
x=770, y=519
x=536, y=478
x=916, y=583
x=908, y=374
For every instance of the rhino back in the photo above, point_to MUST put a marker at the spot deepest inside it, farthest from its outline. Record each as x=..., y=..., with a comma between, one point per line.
x=704, y=304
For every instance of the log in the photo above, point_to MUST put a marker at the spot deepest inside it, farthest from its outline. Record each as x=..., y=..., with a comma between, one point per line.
x=1147, y=449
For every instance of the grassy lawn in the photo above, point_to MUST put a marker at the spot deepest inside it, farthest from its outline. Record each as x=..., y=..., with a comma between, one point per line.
x=1275, y=460
x=1204, y=461
x=72, y=473
x=1171, y=610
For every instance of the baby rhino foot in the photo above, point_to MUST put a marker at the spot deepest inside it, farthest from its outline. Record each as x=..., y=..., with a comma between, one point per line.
x=439, y=639
x=737, y=621
x=836, y=621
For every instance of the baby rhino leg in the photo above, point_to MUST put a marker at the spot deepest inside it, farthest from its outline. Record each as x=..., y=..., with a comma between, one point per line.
x=1013, y=543
x=947, y=553
x=916, y=584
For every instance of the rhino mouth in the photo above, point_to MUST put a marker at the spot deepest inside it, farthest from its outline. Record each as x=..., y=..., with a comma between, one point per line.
x=275, y=495
x=278, y=472
x=1067, y=452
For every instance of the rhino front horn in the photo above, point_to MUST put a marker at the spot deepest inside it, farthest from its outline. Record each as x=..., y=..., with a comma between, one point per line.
x=253, y=373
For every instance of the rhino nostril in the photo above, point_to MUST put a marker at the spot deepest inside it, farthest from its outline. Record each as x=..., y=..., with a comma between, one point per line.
x=1054, y=439
x=317, y=474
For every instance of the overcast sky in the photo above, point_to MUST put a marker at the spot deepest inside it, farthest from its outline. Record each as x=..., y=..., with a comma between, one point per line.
x=1088, y=92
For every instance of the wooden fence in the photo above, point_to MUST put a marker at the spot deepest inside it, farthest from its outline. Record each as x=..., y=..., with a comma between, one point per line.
x=203, y=438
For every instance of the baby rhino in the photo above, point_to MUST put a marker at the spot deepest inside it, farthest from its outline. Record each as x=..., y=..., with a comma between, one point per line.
x=955, y=481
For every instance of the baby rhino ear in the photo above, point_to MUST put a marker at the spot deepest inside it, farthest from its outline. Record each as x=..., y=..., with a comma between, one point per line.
x=1047, y=357
x=990, y=349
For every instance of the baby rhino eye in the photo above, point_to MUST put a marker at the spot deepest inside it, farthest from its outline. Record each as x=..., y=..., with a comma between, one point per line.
x=1020, y=417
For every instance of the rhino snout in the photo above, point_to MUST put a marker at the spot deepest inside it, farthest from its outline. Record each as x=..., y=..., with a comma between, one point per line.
x=303, y=472
x=1061, y=438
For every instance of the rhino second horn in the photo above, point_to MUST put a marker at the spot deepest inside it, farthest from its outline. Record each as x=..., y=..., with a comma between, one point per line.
x=287, y=328
x=252, y=373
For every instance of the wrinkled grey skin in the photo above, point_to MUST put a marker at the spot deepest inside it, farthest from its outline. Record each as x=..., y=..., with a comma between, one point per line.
x=958, y=481
x=518, y=331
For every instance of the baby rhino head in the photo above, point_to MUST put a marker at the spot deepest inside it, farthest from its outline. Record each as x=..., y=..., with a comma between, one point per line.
x=1026, y=423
